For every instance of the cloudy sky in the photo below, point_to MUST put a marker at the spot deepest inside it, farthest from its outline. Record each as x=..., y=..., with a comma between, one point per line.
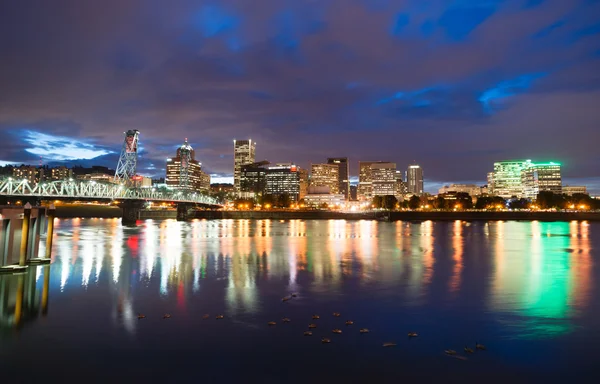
x=452, y=85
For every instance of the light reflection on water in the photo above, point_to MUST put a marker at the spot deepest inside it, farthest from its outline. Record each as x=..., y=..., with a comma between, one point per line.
x=525, y=280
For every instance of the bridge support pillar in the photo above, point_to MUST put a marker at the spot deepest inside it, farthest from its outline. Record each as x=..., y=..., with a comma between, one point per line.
x=183, y=211
x=131, y=212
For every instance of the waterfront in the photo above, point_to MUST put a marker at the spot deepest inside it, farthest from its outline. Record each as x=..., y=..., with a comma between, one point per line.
x=528, y=290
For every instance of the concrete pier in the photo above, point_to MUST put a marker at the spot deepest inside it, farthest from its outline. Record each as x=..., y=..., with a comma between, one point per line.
x=20, y=232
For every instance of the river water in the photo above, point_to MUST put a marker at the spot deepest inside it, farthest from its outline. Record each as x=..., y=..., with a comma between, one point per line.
x=529, y=291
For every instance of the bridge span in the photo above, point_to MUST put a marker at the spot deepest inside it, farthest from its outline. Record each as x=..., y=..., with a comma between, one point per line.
x=130, y=199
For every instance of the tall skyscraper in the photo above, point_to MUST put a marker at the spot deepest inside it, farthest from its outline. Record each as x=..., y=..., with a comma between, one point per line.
x=414, y=179
x=541, y=177
x=383, y=178
x=243, y=153
x=185, y=172
x=325, y=175
x=365, y=185
x=343, y=174
x=506, y=179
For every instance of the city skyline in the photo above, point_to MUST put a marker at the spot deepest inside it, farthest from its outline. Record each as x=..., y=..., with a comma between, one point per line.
x=445, y=84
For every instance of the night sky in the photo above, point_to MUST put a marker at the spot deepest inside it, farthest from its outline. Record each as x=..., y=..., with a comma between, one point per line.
x=452, y=85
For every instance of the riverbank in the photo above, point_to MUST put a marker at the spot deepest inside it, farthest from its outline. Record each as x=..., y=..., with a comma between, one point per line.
x=104, y=211
x=402, y=215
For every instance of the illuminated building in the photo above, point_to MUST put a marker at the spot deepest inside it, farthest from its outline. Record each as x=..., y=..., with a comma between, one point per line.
x=61, y=173
x=325, y=175
x=401, y=188
x=505, y=181
x=414, y=179
x=343, y=174
x=571, y=190
x=283, y=179
x=97, y=177
x=365, y=185
x=29, y=172
x=471, y=189
x=303, y=173
x=221, y=187
x=184, y=172
x=541, y=177
x=383, y=179
x=329, y=200
x=243, y=153
x=253, y=179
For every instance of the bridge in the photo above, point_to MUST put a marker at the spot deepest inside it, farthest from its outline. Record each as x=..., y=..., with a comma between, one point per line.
x=129, y=197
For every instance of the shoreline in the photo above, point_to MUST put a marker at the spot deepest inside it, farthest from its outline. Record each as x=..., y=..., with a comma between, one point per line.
x=90, y=211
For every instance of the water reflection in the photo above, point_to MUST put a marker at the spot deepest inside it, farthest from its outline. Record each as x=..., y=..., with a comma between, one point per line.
x=537, y=276
x=22, y=298
x=542, y=272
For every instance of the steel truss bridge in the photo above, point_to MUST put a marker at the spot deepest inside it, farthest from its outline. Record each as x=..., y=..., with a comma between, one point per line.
x=93, y=190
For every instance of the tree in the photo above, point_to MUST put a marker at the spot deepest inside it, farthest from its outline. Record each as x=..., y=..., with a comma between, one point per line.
x=389, y=202
x=545, y=200
x=268, y=201
x=490, y=202
x=464, y=200
x=414, y=202
x=284, y=200
x=377, y=202
x=518, y=203
x=440, y=202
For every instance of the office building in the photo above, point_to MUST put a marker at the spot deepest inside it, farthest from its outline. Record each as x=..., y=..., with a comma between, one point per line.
x=365, y=185
x=383, y=179
x=243, y=153
x=571, y=190
x=414, y=180
x=28, y=172
x=505, y=181
x=401, y=189
x=541, y=177
x=324, y=200
x=184, y=172
x=303, y=174
x=471, y=189
x=283, y=179
x=343, y=174
x=253, y=180
x=61, y=173
x=325, y=175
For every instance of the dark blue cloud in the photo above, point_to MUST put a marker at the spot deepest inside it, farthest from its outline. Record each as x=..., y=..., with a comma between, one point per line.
x=305, y=78
x=459, y=22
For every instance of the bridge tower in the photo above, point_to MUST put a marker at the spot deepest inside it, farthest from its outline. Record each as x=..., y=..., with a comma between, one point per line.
x=127, y=164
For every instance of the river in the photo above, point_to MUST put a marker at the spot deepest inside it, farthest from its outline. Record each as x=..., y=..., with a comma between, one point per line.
x=529, y=291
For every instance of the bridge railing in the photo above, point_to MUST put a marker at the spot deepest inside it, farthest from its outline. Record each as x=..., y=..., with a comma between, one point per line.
x=86, y=189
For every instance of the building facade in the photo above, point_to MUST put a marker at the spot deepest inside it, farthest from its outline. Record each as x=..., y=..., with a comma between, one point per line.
x=401, y=188
x=28, y=172
x=325, y=175
x=325, y=200
x=283, y=178
x=253, y=180
x=471, y=189
x=365, y=184
x=343, y=174
x=414, y=180
x=541, y=177
x=244, y=152
x=184, y=172
x=383, y=179
x=571, y=190
x=506, y=180
x=61, y=173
